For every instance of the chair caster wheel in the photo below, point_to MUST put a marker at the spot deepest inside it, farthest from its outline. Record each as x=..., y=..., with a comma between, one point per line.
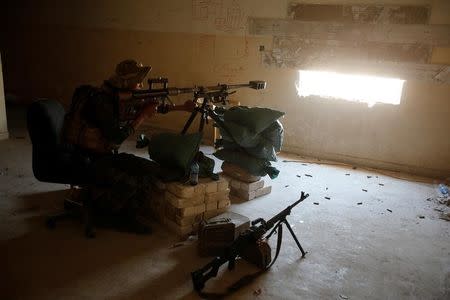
x=51, y=223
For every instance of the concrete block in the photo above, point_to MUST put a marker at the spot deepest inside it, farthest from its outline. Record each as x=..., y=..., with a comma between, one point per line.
x=223, y=203
x=189, y=220
x=223, y=184
x=235, y=184
x=211, y=206
x=181, y=230
x=213, y=213
x=184, y=212
x=181, y=190
x=242, y=195
x=200, y=188
x=197, y=199
x=217, y=196
x=263, y=191
x=249, y=187
x=210, y=185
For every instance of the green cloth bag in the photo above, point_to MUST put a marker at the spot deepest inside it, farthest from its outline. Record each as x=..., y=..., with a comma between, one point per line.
x=174, y=151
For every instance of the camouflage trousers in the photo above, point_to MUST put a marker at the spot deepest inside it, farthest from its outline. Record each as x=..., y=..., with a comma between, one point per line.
x=124, y=183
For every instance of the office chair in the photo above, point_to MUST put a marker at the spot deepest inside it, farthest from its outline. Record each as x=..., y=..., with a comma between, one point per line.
x=58, y=163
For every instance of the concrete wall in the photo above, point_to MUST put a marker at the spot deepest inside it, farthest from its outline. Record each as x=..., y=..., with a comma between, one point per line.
x=3, y=123
x=55, y=46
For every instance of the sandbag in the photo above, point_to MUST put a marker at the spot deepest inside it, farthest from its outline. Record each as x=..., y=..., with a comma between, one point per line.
x=274, y=134
x=255, y=166
x=256, y=119
x=263, y=150
x=174, y=151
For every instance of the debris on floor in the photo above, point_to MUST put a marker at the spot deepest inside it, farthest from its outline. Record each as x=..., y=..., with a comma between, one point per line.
x=359, y=203
x=328, y=198
x=287, y=185
x=316, y=203
x=381, y=184
x=445, y=217
x=421, y=216
x=308, y=175
x=369, y=176
x=304, y=164
x=299, y=176
x=348, y=174
x=364, y=190
x=257, y=292
x=343, y=297
x=389, y=210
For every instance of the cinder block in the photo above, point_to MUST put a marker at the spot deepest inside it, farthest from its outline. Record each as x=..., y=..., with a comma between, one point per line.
x=235, y=184
x=199, y=188
x=210, y=185
x=185, y=221
x=218, y=196
x=181, y=190
x=248, y=187
x=223, y=184
x=184, y=202
x=212, y=213
x=238, y=173
x=184, y=212
x=211, y=206
x=223, y=203
x=242, y=195
x=181, y=230
x=263, y=191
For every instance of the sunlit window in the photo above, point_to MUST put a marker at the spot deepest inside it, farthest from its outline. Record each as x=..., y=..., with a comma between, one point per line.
x=358, y=88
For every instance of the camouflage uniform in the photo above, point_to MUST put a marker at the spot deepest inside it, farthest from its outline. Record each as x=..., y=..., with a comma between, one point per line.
x=124, y=179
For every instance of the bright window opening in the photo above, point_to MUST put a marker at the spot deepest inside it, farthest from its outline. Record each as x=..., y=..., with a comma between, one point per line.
x=357, y=88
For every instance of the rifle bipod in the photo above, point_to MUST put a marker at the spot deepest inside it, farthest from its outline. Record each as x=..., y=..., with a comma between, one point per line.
x=279, y=229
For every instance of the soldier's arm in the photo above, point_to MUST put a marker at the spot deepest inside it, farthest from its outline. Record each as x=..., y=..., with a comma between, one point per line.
x=108, y=123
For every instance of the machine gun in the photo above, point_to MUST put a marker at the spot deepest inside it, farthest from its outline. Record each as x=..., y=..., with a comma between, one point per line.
x=159, y=93
x=247, y=240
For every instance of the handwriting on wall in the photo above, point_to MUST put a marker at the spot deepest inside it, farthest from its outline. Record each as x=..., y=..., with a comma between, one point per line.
x=222, y=15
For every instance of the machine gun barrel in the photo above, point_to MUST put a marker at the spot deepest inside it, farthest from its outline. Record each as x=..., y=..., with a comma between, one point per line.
x=285, y=212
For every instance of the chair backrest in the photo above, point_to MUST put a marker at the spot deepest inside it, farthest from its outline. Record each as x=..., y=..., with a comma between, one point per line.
x=45, y=119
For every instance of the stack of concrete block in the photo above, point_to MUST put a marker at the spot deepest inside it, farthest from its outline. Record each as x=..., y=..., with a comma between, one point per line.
x=244, y=186
x=181, y=207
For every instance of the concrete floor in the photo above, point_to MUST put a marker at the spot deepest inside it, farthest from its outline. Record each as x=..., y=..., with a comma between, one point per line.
x=355, y=251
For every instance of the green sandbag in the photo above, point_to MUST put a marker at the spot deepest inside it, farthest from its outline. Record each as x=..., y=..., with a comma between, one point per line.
x=263, y=150
x=256, y=119
x=174, y=151
x=274, y=135
x=253, y=165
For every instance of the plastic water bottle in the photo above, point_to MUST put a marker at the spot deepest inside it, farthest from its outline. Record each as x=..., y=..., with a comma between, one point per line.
x=443, y=189
x=193, y=177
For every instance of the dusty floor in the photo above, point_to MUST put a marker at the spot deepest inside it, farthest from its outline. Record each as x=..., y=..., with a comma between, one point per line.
x=355, y=251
